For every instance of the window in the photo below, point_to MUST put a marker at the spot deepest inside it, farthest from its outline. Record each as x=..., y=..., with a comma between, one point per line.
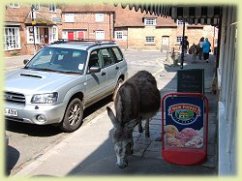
x=65, y=35
x=149, y=39
x=11, y=38
x=52, y=7
x=94, y=60
x=107, y=59
x=99, y=17
x=179, y=22
x=100, y=35
x=179, y=39
x=150, y=21
x=69, y=17
x=119, y=35
x=36, y=6
x=59, y=59
x=118, y=54
x=14, y=5
x=53, y=34
x=30, y=36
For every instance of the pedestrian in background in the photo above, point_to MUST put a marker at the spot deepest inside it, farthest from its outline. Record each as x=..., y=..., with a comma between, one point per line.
x=193, y=50
x=201, y=48
x=186, y=44
x=206, y=49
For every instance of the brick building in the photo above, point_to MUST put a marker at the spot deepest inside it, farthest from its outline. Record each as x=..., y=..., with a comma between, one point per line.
x=139, y=30
x=18, y=37
x=87, y=22
x=130, y=29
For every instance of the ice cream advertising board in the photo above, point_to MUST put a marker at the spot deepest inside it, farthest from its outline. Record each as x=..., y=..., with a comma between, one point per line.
x=184, y=125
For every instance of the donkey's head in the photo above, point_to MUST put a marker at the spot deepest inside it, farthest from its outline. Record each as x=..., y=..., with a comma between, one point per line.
x=122, y=138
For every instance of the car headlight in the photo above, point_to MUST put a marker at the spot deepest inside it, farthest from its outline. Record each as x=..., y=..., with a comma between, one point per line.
x=50, y=98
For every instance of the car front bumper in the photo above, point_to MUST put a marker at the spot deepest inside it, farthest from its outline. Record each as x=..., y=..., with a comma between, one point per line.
x=29, y=113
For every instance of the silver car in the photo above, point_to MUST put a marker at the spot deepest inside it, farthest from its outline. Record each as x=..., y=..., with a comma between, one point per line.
x=61, y=80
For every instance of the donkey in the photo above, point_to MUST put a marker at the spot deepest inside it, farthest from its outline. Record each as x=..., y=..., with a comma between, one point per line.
x=137, y=99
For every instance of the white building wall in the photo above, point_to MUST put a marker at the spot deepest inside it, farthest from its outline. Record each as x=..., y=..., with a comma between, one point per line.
x=227, y=83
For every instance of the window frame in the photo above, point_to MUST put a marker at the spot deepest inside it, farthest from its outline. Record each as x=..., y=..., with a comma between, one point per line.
x=100, y=31
x=150, y=38
x=15, y=39
x=53, y=34
x=99, y=17
x=69, y=17
x=36, y=33
x=150, y=22
x=119, y=35
x=36, y=6
x=52, y=7
x=178, y=38
x=14, y=5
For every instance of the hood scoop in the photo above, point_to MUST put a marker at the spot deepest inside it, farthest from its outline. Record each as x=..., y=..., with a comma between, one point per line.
x=31, y=75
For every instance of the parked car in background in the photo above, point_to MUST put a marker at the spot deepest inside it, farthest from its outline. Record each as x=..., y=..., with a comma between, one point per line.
x=61, y=80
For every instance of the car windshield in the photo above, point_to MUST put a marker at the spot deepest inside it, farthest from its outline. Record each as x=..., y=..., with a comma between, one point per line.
x=59, y=60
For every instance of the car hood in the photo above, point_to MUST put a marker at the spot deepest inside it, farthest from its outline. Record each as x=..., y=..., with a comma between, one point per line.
x=32, y=81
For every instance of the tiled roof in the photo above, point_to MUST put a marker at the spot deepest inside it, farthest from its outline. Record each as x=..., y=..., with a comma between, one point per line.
x=83, y=8
x=16, y=14
x=131, y=18
x=123, y=17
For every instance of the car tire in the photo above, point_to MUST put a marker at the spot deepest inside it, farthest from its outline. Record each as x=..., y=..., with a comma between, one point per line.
x=73, y=116
x=119, y=83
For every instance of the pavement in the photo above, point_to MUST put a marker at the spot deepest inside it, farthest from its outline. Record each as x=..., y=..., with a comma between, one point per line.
x=89, y=150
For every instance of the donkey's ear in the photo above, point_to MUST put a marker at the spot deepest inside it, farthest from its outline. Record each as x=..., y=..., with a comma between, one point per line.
x=112, y=117
x=131, y=124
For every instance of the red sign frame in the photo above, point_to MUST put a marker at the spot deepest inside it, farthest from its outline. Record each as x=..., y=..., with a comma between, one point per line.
x=180, y=154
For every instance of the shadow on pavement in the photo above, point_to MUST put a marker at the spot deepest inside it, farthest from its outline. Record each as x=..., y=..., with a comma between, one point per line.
x=12, y=156
x=103, y=160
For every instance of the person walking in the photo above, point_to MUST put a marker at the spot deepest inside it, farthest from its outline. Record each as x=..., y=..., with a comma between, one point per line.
x=193, y=50
x=200, y=53
x=186, y=44
x=206, y=49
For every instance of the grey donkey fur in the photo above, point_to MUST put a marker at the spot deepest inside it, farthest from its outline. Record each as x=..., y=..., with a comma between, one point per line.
x=137, y=99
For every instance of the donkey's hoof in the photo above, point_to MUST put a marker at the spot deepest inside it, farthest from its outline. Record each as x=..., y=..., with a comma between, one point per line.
x=140, y=130
x=147, y=135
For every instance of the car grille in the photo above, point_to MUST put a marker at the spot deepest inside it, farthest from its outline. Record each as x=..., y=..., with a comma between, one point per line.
x=14, y=97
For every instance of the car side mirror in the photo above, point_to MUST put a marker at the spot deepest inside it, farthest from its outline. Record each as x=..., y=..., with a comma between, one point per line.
x=94, y=69
x=26, y=61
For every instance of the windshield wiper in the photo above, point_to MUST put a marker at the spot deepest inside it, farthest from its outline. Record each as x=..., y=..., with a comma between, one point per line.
x=70, y=72
x=44, y=69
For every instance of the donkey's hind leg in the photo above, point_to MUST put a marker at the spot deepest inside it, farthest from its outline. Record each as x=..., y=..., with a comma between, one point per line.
x=140, y=128
x=147, y=128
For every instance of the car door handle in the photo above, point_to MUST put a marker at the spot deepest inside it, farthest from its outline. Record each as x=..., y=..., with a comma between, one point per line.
x=117, y=68
x=103, y=73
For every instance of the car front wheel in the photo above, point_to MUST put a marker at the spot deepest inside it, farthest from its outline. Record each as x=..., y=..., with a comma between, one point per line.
x=73, y=116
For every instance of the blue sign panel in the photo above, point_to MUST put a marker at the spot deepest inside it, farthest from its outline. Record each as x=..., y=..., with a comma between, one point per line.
x=184, y=122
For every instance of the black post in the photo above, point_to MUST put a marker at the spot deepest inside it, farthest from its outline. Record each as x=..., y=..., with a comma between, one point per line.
x=219, y=41
x=33, y=25
x=183, y=38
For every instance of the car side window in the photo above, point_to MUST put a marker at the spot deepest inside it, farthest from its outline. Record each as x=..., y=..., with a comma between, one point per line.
x=118, y=54
x=107, y=58
x=94, y=60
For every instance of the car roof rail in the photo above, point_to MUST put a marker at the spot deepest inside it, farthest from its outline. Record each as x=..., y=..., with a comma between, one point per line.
x=99, y=42
x=60, y=41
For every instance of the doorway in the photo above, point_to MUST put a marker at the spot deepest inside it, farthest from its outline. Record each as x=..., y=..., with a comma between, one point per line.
x=70, y=35
x=165, y=42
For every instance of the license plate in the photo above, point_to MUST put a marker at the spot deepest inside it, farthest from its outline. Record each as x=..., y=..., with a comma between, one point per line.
x=10, y=112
